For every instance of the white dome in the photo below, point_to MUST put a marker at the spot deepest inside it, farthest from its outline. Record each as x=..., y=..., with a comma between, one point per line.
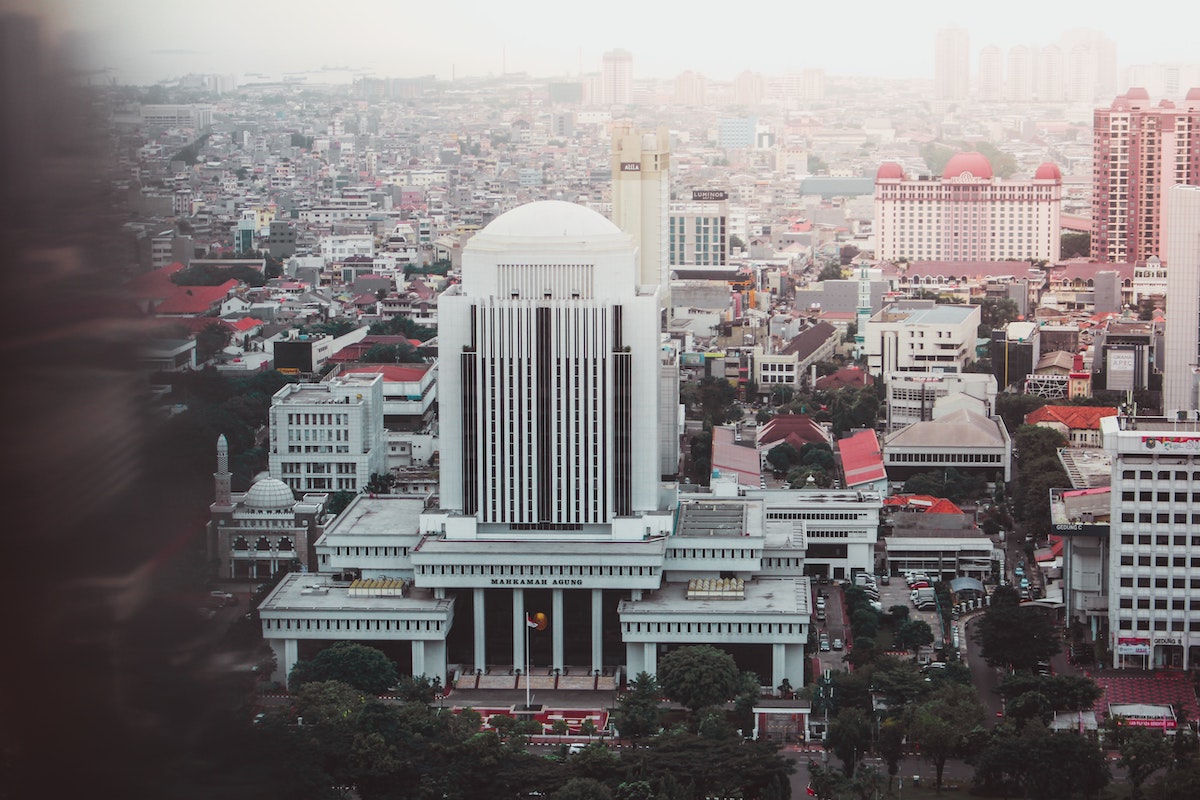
x=551, y=218
x=270, y=493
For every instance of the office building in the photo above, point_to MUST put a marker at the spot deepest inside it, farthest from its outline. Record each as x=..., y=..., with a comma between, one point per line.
x=698, y=232
x=616, y=78
x=968, y=214
x=1181, y=359
x=921, y=336
x=914, y=396
x=1154, y=546
x=951, y=64
x=1139, y=151
x=197, y=116
x=328, y=436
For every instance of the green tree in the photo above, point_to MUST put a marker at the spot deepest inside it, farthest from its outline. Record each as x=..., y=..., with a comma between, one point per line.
x=699, y=676
x=402, y=353
x=891, y=746
x=831, y=272
x=328, y=701
x=418, y=688
x=381, y=482
x=782, y=457
x=637, y=710
x=211, y=340
x=364, y=668
x=401, y=326
x=1075, y=244
x=1015, y=636
x=1012, y=408
x=914, y=634
x=1065, y=692
x=1143, y=753
x=338, y=502
x=849, y=737
x=712, y=399
x=942, y=722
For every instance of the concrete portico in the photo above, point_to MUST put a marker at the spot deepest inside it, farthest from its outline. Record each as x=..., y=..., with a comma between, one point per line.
x=771, y=612
x=307, y=607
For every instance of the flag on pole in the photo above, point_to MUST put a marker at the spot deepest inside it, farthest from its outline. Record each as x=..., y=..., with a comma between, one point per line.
x=536, y=621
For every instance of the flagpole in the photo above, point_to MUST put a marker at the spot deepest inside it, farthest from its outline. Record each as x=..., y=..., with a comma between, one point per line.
x=527, y=662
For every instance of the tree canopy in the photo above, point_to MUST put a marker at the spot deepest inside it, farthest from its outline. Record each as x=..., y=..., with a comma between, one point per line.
x=364, y=668
x=1015, y=636
x=699, y=676
x=712, y=399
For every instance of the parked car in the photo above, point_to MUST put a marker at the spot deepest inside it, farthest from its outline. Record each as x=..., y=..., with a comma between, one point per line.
x=885, y=579
x=837, y=644
x=821, y=614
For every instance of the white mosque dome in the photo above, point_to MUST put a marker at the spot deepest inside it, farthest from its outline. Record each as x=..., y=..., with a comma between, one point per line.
x=551, y=218
x=269, y=493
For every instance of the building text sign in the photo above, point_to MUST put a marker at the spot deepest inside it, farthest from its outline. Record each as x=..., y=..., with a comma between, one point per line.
x=708, y=195
x=631, y=166
x=537, y=582
x=1171, y=444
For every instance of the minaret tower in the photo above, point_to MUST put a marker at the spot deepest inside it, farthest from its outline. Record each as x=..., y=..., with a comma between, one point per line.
x=863, y=311
x=222, y=478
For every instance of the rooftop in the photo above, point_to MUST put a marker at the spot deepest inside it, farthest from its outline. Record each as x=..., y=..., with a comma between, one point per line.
x=305, y=592
x=378, y=516
x=763, y=596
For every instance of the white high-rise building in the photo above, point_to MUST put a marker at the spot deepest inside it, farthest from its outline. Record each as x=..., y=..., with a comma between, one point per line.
x=1020, y=80
x=951, y=64
x=616, y=78
x=1051, y=83
x=1181, y=361
x=1153, y=613
x=549, y=394
x=991, y=74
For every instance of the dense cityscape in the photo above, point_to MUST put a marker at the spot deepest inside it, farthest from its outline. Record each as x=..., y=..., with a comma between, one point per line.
x=603, y=434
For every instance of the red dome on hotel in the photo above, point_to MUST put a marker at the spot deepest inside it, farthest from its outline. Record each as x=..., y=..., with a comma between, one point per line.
x=889, y=170
x=974, y=163
x=1048, y=172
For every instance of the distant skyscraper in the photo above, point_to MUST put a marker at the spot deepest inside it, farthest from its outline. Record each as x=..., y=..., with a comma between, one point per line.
x=641, y=165
x=1020, y=80
x=1091, y=65
x=951, y=64
x=991, y=74
x=616, y=78
x=690, y=89
x=1182, y=344
x=1051, y=86
x=1139, y=150
x=748, y=88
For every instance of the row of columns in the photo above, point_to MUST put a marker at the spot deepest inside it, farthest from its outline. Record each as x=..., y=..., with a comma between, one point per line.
x=428, y=657
x=519, y=628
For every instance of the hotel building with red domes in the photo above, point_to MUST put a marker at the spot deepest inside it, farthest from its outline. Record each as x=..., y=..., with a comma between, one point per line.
x=967, y=214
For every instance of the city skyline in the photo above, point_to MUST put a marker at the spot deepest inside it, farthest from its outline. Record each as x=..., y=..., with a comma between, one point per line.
x=367, y=38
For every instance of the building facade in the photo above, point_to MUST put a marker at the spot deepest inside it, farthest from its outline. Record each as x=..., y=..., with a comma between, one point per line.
x=1154, y=547
x=968, y=214
x=1139, y=151
x=951, y=64
x=616, y=78
x=1181, y=359
x=921, y=336
x=641, y=164
x=328, y=436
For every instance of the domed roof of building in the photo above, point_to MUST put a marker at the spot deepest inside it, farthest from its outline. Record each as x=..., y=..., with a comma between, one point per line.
x=1048, y=171
x=1137, y=93
x=551, y=218
x=889, y=170
x=269, y=493
x=972, y=162
x=1193, y=94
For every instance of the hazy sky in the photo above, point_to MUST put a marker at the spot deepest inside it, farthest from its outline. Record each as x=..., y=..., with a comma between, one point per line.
x=147, y=40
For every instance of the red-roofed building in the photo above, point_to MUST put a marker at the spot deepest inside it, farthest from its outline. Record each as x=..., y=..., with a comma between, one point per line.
x=409, y=391
x=846, y=378
x=193, y=301
x=1080, y=424
x=734, y=456
x=862, y=462
x=795, y=429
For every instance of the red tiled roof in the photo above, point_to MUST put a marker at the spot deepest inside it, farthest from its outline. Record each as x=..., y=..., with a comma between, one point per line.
x=1073, y=417
x=861, y=459
x=246, y=323
x=847, y=376
x=785, y=426
x=194, y=299
x=923, y=502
